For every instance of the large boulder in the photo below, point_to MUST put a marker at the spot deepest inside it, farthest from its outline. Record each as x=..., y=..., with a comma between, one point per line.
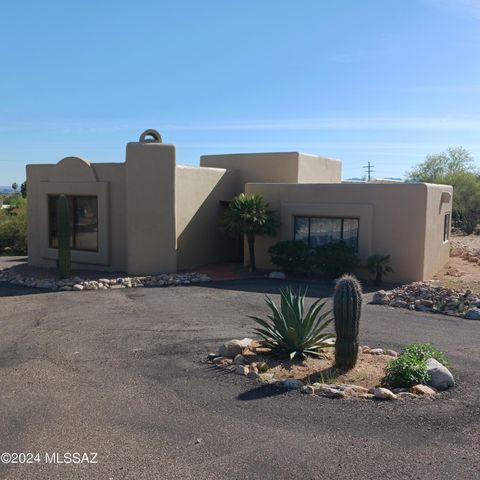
x=292, y=383
x=241, y=370
x=246, y=342
x=231, y=349
x=380, y=298
x=440, y=376
x=384, y=394
x=473, y=314
x=398, y=303
x=423, y=390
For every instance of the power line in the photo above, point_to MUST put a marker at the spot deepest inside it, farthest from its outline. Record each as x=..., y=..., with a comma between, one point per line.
x=370, y=170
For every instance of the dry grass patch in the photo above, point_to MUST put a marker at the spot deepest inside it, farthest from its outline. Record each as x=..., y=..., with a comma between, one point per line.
x=368, y=372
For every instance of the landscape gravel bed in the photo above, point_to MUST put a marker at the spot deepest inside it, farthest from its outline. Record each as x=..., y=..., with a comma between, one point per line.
x=249, y=358
x=425, y=297
x=15, y=276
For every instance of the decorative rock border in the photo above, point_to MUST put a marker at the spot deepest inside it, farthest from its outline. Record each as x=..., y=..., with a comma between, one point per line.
x=78, y=284
x=230, y=357
x=425, y=297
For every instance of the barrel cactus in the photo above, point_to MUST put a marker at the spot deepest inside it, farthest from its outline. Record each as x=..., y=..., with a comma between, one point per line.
x=347, y=309
x=63, y=232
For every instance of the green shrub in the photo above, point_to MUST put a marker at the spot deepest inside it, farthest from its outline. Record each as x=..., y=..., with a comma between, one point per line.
x=405, y=371
x=289, y=331
x=410, y=367
x=13, y=231
x=291, y=256
x=335, y=259
x=424, y=351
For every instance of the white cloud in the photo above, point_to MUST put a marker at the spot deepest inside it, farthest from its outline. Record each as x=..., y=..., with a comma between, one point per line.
x=340, y=123
x=411, y=123
x=368, y=147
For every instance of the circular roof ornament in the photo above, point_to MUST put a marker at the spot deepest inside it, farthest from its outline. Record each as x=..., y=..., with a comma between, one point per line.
x=150, y=136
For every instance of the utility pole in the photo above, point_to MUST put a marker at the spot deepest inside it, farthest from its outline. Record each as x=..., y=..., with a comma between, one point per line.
x=370, y=170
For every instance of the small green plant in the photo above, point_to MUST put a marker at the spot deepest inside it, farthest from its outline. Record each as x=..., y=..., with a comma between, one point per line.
x=13, y=227
x=347, y=310
x=289, y=331
x=424, y=351
x=335, y=259
x=291, y=256
x=410, y=367
x=405, y=371
x=63, y=232
x=379, y=265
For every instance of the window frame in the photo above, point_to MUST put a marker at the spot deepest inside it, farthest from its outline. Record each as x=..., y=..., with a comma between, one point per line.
x=74, y=199
x=446, y=226
x=342, y=219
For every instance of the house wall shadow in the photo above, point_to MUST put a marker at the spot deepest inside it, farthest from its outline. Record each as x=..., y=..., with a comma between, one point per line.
x=202, y=241
x=315, y=288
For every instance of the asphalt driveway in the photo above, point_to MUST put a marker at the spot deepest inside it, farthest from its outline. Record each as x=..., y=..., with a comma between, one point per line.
x=122, y=373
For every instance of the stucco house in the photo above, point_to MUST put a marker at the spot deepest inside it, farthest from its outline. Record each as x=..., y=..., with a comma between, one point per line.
x=149, y=215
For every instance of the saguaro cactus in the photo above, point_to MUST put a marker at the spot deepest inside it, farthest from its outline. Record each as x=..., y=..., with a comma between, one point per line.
x=347, y=309
x=63, y=233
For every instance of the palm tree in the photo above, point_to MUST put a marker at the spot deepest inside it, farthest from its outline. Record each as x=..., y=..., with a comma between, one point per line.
x=248, y=215
x=379, y=265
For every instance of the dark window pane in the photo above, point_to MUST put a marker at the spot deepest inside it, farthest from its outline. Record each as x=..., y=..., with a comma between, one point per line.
x=446, y=227
x=325, y=230
x=52, y=219
x=86, y=223
x=350, y=232
x=319, y=231
x=83, y=222
x=301, y=229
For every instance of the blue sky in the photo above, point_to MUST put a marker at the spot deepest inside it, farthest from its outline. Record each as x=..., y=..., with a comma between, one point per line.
x=372, y=80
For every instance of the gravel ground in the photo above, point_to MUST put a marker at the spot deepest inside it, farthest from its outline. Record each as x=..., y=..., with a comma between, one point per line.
x=122, y=373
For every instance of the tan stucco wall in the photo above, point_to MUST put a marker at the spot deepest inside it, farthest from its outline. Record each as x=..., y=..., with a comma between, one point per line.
x=136, y=207
x=76, y=176
x=35, y=228
x=150, y=208
x=315, y=169
x=199, y=192
x=392, y=220
x=114, y=174
x=439, y=203
x=278, y=167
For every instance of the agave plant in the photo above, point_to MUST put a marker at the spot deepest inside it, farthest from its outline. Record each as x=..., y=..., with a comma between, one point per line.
x=289, y=331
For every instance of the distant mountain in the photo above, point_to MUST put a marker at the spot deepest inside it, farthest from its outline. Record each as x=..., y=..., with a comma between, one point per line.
x=4, y=189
